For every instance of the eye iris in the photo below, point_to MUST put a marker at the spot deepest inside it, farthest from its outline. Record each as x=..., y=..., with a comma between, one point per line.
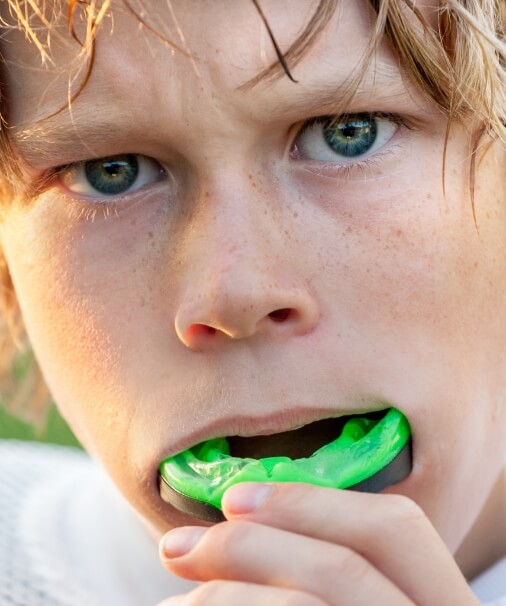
x=113, y=175
x=351, y=137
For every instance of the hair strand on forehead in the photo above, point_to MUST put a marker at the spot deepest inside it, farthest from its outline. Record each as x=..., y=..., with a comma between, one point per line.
x=279, y=54
x=152, y=30
x=319, y=19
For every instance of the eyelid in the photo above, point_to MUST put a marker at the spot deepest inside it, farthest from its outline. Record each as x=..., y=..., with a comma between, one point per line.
x=150, y=170
x=400, y=120
x=343, y=164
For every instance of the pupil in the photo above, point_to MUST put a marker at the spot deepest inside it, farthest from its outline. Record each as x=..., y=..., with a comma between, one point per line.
x=114, y=175
x=348, y=131
x=351, y=137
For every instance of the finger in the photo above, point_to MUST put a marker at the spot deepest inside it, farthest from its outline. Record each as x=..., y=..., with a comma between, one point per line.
x=253, y=553
x=389, y=530
x=230, y=593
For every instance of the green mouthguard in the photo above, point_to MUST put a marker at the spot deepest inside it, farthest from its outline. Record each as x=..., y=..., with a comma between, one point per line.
x=365, y=447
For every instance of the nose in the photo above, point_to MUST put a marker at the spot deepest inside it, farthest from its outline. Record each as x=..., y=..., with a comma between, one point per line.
x=243, y=281
x=229, y=308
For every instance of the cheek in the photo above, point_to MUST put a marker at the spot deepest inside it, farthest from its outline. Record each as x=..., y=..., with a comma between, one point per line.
x=85, y=290
x=88, y=297
x=402, y=257
x=415, y=294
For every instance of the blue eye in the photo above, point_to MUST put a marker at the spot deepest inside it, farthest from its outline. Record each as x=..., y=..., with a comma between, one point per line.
x=112, y=175
x=344, y=139
x=351, y=138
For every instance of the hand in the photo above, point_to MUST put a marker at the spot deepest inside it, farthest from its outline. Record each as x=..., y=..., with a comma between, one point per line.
x=300, y=545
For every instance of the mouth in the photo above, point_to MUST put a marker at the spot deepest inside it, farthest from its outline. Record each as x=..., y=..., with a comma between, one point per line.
x=297, y=443
x=365, y=452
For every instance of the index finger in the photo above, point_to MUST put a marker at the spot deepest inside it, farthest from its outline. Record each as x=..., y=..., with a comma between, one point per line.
x=390, y=531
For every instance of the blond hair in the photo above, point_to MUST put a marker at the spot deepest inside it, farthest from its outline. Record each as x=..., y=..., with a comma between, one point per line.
x=460, y=65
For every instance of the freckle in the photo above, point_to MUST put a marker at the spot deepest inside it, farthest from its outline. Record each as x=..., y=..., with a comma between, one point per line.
x=206, y=194
x=295, y=215
x=133, y=222
x=150, y=235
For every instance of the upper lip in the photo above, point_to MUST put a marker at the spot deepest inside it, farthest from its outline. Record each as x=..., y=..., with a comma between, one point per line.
x=249, y=425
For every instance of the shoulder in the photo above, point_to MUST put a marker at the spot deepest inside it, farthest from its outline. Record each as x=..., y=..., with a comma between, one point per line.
x=31, y=530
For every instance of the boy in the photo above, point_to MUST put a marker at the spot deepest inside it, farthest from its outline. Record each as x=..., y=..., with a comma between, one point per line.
x=203, y=247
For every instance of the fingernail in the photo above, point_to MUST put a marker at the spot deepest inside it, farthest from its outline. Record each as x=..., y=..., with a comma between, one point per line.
x=180, y=541
x=246, y=497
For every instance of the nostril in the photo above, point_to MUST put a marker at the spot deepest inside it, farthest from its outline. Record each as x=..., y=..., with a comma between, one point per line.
x=200, y=330
x=280, y=315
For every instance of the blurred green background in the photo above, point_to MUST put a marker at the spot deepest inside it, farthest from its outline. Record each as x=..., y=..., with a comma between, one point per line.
x=54, y=429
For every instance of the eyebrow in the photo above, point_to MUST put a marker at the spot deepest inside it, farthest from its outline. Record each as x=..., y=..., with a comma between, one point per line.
x=90, y=125
x=386, y=88
x=86, y=127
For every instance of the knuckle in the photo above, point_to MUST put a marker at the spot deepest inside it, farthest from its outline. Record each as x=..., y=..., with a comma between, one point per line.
x=293, y=497
x=226, y=537
x=404, y=510
x=346, y=563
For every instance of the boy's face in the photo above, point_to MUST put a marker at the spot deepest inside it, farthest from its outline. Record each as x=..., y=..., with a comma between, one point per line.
x=255, y=278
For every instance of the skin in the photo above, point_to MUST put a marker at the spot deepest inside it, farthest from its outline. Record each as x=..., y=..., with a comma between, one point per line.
x=154, y=322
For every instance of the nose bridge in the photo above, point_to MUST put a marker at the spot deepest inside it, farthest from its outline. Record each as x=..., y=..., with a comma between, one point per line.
x=235, y=242
x=240, y=276
x=241, y=228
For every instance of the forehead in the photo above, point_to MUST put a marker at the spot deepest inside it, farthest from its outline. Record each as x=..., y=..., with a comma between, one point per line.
x=223, y=43
x=142, y=83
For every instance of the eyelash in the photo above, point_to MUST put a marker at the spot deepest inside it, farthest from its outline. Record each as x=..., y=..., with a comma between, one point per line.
x=345, y=170
x=80, y=207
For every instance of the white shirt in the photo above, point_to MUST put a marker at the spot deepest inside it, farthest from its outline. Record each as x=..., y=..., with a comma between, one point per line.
x=490, y=586
x=68, y=538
